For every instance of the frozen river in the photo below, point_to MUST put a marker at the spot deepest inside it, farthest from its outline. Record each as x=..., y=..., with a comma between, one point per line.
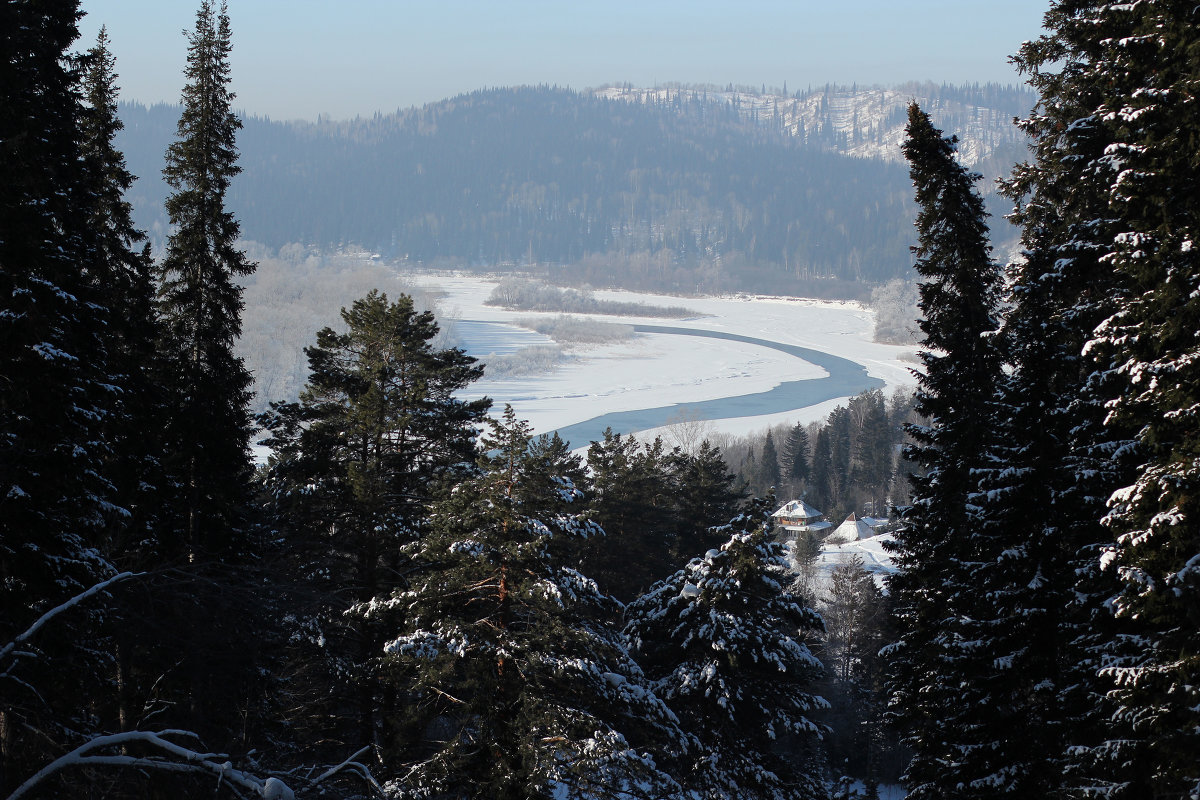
x=843, y=378
x=741, y=362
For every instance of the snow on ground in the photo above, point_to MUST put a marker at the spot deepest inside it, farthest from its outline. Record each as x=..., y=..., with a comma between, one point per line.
x=652, y=370
x=875, y=559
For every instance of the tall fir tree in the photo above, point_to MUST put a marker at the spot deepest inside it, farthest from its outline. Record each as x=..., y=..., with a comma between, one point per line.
x=1060, y=454
x=795, y=455
x=56, y=390
x=821, y=483
x=52, y=366
x=121, y=272
x=768, y=465
x=935, y=548
x=841, y=446
x=1143, y=60
x=200, y=305
x=205, y=630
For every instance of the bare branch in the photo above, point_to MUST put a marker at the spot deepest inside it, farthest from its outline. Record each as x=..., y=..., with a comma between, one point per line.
x=351, y=764
x=185, y=760
x=54, y=612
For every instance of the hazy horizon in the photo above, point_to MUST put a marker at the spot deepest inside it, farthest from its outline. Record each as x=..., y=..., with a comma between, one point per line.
x=367, y=56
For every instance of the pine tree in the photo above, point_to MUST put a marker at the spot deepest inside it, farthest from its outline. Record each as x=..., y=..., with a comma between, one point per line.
x=518, y=691
x=727, y=647
x=200, y=304
x=934, y=548
x=358, y=462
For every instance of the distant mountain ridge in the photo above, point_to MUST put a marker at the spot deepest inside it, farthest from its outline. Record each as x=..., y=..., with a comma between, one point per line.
x=866, y=122
x=665, y=189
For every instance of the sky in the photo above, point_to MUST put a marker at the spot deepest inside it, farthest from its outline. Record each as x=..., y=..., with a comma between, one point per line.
x=297, y=59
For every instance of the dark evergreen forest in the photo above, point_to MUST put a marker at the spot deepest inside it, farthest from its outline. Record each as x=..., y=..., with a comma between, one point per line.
x=685, y=196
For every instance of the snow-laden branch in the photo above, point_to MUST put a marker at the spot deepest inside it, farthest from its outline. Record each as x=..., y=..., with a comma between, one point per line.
x=181, y=759
x=54, y=612
x=356, y=766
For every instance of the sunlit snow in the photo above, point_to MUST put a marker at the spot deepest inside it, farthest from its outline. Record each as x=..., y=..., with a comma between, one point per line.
x=649, y=370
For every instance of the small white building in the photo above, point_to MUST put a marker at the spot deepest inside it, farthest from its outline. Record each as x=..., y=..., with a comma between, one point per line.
x=852, y=530
x=797, y=516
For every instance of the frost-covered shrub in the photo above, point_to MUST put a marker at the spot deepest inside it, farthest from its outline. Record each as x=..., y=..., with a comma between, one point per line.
x=568, y=330
x=895, y=304
x=522, y=294
x=533, y=360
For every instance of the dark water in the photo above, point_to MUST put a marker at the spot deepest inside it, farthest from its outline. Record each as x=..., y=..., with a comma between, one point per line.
x=845, y=379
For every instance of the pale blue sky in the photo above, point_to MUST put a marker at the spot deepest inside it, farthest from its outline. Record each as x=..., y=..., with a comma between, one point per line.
x=300, y=58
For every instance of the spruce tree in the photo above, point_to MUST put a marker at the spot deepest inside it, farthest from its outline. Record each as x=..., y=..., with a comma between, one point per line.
x=200, y=304
x=769, y=475
x=55, y=387
x=121, y=272
x=934, y=547
x=727, y=647
x=1144, y=59
x=207, y=633
x=795, y=455
x=516, y=689
x=1060, y=454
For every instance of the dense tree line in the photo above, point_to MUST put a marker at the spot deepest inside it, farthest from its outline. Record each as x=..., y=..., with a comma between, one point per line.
x=847, y=463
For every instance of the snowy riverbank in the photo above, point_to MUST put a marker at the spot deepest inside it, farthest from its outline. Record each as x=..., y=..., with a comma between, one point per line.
x=654, y=370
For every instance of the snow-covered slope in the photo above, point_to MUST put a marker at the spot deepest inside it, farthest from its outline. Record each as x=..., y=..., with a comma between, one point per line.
x=865, y=122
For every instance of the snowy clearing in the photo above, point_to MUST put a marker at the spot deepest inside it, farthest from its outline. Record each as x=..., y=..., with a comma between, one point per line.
x=652, y=370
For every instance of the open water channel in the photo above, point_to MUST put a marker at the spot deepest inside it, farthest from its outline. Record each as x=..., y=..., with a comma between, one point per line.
x=844, y=378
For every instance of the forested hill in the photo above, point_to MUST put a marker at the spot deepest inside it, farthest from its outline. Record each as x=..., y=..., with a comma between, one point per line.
x=688, y=190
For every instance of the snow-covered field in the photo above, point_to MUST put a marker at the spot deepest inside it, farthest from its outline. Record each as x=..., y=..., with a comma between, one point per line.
x=652, y=370
x=870, y=551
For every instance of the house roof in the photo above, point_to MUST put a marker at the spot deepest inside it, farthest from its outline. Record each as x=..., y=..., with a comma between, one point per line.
x=798, y=509
x=851, y=530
